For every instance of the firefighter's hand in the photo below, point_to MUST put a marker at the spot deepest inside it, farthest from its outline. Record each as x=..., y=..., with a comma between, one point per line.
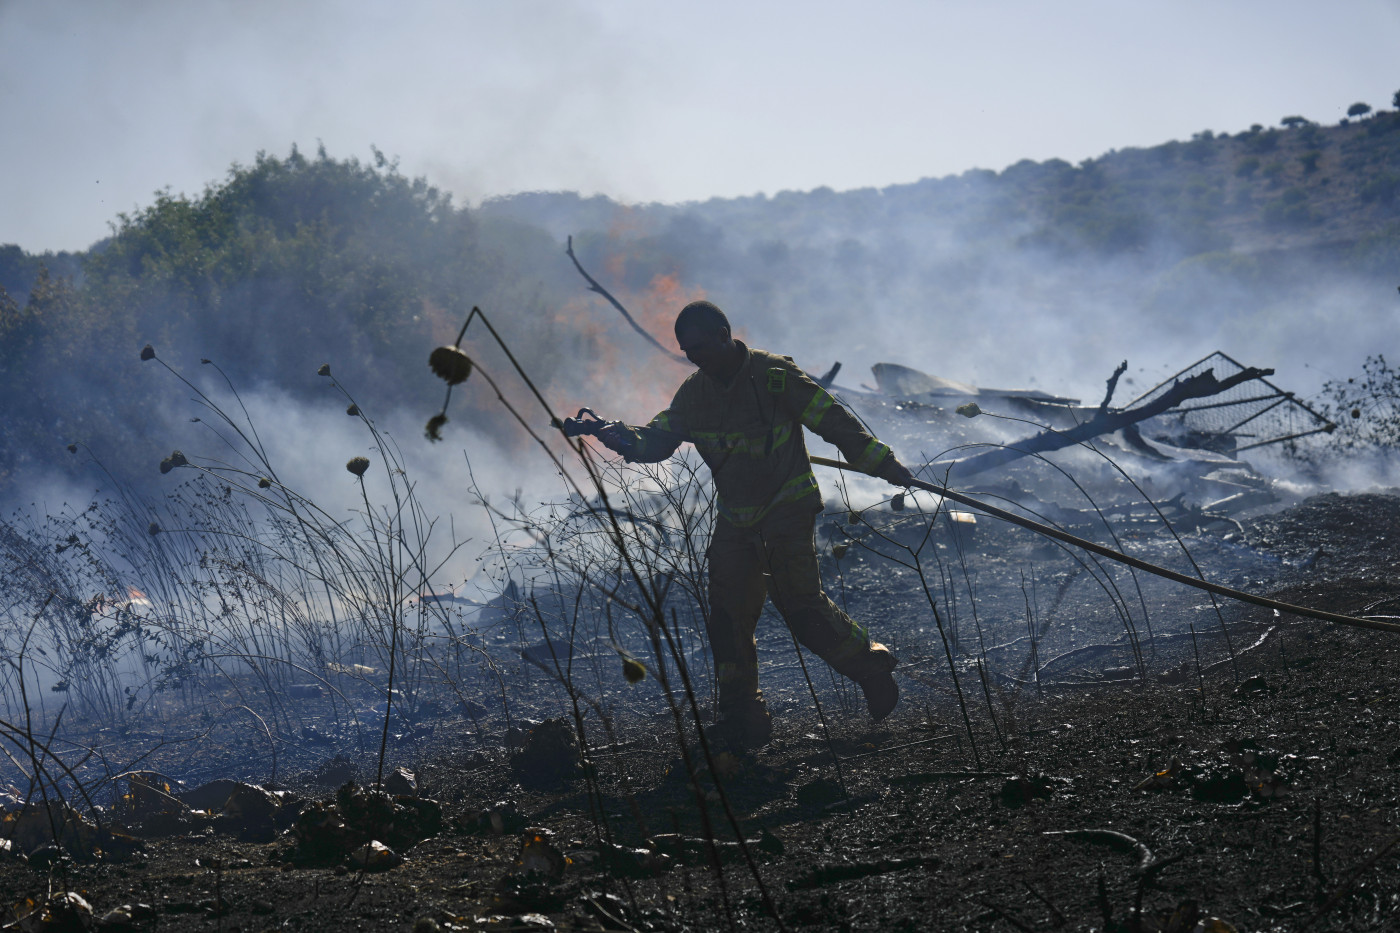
x=616, y=437
x=895, y=473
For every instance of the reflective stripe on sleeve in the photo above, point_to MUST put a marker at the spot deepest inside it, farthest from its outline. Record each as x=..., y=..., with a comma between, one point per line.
x=816, y=408
x=873, y=455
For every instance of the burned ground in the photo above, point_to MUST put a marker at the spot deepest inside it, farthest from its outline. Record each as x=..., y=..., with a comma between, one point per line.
x=1260, y=790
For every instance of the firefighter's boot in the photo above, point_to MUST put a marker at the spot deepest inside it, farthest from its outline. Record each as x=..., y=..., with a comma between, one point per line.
x=881, y=692
x=741, y=728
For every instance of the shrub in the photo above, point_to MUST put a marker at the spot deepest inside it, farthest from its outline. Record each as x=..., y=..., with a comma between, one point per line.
x=1382, y=190
x=1260, y=143
x=1291, y=209
x=1366, y=409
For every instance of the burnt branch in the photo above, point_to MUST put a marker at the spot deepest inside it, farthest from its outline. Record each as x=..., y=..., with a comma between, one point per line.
x=1112, y=385
x=593, y=286
x=1201, y=385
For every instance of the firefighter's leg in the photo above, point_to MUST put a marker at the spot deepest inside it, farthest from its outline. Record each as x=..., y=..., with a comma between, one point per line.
x=816, y=621
x=737, y=589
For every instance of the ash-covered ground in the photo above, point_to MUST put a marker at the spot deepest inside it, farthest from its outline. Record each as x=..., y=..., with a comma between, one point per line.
x=1115, y=754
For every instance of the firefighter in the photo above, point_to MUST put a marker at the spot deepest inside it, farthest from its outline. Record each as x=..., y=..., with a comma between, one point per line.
x=744, y=410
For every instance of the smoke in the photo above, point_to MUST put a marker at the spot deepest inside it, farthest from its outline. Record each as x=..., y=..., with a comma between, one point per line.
x=878, y=277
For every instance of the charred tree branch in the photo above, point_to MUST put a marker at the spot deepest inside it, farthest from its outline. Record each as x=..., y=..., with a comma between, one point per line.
x=1201, y=385
x=1112, y=385
x=593, y=286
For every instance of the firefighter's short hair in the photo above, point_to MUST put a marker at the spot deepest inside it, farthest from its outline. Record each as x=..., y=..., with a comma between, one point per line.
x=704, y=316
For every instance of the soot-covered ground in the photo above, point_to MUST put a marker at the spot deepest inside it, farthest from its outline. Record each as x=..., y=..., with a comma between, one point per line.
x=1258, y=794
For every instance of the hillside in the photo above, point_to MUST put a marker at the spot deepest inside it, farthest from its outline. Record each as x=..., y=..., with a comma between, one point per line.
x=1044, y=272
x=1304, y=186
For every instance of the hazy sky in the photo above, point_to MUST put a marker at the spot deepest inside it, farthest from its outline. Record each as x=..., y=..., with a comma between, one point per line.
x=104, y=102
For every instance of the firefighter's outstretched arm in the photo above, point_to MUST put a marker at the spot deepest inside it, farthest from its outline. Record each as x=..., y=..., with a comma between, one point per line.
x=652, y=443
x=820, y=413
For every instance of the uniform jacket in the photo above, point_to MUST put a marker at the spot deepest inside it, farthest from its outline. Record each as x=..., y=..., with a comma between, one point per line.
x=750, y=434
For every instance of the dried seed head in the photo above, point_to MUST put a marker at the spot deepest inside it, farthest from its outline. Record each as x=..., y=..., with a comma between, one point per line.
x=450, y=365
x=635, y=671
x=1356, y=413
x=358, y=465
x=152, y=529
x=205, y=360
x=838, y=551
x=148, y=352
x=970, y=410
x=853, y=518
x=435, y=424
x=176, y=459
x=264, y=482
x=72, y=448
x=325, y=370
x=353, y=411
x=897, y=503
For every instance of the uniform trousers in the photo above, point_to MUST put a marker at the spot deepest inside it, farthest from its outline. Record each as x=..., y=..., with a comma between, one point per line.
x=776, y=558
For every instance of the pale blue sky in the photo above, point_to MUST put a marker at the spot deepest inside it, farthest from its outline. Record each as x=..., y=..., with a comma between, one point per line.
x=102, y=103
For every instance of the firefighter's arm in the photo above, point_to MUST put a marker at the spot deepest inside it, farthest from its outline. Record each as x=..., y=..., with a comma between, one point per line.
x=654, y=442
x=894, y=472
x=821, y=414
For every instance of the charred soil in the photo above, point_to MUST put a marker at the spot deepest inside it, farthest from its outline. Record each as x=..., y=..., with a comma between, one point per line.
x=1261, y=792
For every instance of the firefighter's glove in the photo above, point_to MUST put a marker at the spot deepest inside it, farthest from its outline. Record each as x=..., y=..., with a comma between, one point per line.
x=617, y=437
x=894, y=472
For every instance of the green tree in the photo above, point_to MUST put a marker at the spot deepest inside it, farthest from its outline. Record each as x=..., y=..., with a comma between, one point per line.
x=286, y=264
x=1294, y=121
x=1358, y=109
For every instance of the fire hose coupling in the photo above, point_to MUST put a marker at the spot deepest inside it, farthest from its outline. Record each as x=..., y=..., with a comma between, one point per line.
x=580, y=425
x=587, y=422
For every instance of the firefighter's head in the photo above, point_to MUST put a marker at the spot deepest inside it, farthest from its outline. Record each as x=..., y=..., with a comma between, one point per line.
x=703, y=333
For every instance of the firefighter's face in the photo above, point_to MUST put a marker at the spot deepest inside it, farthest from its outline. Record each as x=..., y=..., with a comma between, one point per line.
x=709, y=350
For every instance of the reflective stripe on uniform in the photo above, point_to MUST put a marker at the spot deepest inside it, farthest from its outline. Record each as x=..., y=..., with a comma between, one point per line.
x=873, y=455
x=729, y=671
x=752, y=445
x=812, y=414
x=856, y=643
x=799, y=486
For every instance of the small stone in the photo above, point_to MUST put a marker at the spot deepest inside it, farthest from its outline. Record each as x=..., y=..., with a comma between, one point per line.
x=374, y=856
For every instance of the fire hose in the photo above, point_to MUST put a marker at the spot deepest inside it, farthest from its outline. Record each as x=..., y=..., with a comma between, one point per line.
x=591, y=425
x=1120, y=557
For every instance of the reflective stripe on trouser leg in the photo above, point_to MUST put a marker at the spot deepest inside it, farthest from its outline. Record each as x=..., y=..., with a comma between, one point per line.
x=737, y=590
x=796, y=588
